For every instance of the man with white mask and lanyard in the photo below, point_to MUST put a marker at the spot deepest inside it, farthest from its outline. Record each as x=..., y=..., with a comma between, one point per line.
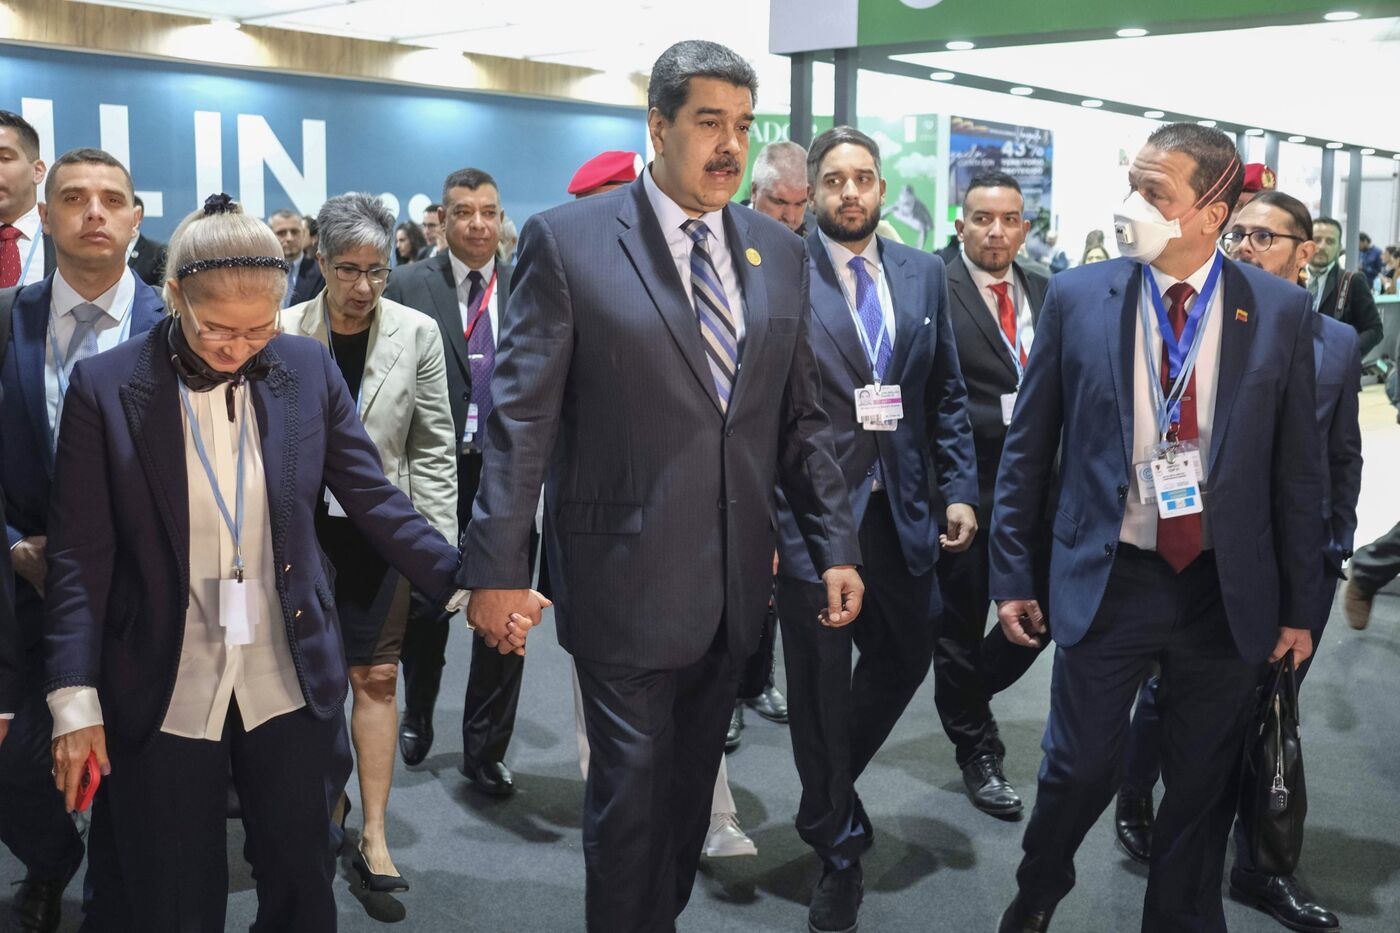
x=1180, y=386
x=89, y=303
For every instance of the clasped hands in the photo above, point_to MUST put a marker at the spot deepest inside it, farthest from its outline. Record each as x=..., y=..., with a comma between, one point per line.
x=503, y=618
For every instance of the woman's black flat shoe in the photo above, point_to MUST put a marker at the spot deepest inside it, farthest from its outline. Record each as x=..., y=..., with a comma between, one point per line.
x=369, y=881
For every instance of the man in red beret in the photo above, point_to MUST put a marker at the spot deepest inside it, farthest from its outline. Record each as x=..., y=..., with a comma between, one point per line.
x=604, y=172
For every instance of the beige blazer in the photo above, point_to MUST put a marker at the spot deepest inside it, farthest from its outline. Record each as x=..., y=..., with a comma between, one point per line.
x=403, y=403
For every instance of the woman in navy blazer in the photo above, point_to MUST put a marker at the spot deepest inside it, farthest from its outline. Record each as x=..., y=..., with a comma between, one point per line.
x=148, y=658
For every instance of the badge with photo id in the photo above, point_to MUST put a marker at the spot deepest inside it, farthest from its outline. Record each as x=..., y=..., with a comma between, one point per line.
x=1142, y=470
x=1176, y=481
x=879, y=407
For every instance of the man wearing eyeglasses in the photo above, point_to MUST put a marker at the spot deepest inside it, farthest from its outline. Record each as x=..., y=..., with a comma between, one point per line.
x=89, y=304
x=1274, y=232
x=465, y=289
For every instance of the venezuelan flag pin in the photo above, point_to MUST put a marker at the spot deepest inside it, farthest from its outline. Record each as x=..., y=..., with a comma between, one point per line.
x=1242, y=315
x=752, y=255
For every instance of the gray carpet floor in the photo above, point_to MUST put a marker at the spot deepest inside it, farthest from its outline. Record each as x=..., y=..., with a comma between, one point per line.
x=515, y=866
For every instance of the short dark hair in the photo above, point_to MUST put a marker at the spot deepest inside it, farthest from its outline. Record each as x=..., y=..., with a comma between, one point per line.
x=136, y=200
x=313, y=226
x=669, y=87
x=470, y=178
x=85, y=157
x=28, y=136
x=1363, y=235
x=1299, y=217
x=1329, y=221
x=434, y=208
x=1217, y=160
x=991, y=180
x=836, y=136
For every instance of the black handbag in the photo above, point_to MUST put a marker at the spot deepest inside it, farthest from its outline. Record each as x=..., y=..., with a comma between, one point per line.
x=1273, y=794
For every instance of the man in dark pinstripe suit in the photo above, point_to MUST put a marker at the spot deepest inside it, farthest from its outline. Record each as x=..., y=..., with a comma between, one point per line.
x=654, y=372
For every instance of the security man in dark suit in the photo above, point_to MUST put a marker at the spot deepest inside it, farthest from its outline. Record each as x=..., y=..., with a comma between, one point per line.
x=305, y=280
x=891, y=385
x=1326, y=277
x=147, y=258
x=467, y=291
x=89, y=303
x=1179, y=387
x=994, y=307
x=655, y=374
x=11, y=641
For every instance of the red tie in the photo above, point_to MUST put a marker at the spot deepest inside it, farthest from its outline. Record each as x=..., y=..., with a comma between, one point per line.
x=1179, y=539
x=9, y=256
x=1006, y=313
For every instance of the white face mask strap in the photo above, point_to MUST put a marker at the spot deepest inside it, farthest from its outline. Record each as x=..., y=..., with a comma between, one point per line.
x=1221, y=184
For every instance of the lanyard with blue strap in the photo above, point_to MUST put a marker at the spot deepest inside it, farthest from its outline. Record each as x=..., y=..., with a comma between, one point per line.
x=330, y=345
x=1014, y=348
x=872, y=350
x=1181, y=352
x=29, y=259
x=233, y=522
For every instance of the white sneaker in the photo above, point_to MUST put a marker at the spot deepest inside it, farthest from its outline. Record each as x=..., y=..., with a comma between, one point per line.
x=726, y=839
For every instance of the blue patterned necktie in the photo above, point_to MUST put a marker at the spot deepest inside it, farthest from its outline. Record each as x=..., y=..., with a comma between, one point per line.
x=871, y=316
x=481, y=351
x=713, y=311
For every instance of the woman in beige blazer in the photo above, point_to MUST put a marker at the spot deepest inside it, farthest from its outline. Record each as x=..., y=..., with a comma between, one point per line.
x=392, y=360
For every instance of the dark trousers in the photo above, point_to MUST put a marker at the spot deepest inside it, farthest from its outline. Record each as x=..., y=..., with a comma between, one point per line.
x=1143, y=759
x=33, y=823
x=493, y=682
x=972, y=662
x=656, y=738
x=1148, y=613
x=839, y=718
x=169, y=804
x=758, y=673
x=1376, y=564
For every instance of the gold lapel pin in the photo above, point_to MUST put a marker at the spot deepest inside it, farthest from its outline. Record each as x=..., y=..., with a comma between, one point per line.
x=752, y=255
x=1242, y=315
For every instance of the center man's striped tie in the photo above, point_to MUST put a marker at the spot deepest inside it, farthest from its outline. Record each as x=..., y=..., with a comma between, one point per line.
x=713, y=312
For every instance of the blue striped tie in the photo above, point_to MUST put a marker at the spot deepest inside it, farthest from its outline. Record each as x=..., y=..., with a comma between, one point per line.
x=712, y=309
x=872, y=316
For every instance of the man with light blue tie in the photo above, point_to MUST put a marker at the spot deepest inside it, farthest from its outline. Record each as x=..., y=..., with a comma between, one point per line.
x=891, y=384
x=89, y=304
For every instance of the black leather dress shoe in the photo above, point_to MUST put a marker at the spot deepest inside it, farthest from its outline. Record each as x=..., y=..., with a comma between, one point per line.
x=1284, y=898
x=490, y=777
x=1133, y=825
x=988, y=789
x=1022, y=918
x=415, y=738
x=736, y=728
x=37, y=907
x=770, y=704
x=836, y=901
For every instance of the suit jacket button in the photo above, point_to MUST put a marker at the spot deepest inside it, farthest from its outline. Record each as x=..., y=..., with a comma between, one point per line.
x=870, y=472
x=287, y=569
x=1123, y=491
x=1109, y=549
x=729, y=433
x=297, y=615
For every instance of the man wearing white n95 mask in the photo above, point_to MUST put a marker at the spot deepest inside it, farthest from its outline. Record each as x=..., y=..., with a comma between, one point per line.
x=1186, y=527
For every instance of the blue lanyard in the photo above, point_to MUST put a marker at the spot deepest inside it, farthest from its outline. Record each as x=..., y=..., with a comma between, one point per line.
x=872, y=351
x=234, y=523
x=24, y=270
x=1181, y=352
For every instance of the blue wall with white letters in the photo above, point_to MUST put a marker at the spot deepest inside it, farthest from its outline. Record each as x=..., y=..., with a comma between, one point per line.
x=274, y=140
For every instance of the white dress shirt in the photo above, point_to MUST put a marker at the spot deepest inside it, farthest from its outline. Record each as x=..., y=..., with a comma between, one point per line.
x=260, y=675
x=679, y=244
x=984, y=281
x=841, y=256
x=112, y=328
x=460, y=271
x=1139, y=520
x=31, y=237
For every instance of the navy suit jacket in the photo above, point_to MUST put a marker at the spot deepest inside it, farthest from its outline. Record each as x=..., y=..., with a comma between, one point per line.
x=933, y=443
x=1264, y=463
x=26, y=453
x=660, y=506
x=11, y=641
x=1337, y=357
x=118, y=582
